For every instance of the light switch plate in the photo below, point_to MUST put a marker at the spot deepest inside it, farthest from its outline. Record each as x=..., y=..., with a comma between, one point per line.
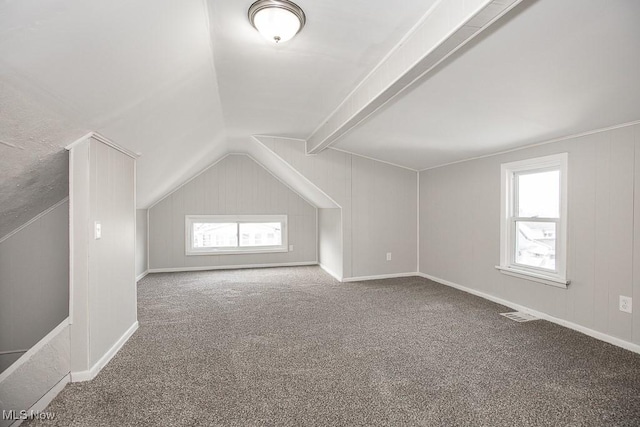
x=97, y=230
x=388, y=256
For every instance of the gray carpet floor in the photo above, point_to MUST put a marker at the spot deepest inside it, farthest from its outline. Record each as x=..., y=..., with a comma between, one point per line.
x=291, y=346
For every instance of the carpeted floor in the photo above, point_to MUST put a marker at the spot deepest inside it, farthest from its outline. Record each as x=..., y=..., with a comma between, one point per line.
x=294, y=347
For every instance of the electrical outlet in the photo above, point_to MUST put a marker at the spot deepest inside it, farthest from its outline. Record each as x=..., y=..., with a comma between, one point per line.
x=290, y=248
x=98, y=230
x=388, y=256
x=625, y=304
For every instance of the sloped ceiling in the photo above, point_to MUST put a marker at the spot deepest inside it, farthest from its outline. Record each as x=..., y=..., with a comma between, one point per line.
x=182, y=81
x=546, y=70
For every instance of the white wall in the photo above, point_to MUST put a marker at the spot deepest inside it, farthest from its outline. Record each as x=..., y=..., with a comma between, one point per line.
x=234, y=185
x=378, y=202
x=330, y=241
x=141, y=242
x=103, y=275
x=34, y=281
x=460, y=230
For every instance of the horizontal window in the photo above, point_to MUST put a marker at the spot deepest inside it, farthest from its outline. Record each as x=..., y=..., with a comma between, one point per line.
x=229, y=234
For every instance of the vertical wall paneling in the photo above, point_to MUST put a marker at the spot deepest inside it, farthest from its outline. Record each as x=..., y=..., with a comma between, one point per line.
x=104, y=286
x=234, y=185
x=378, y=203
x=141, y=242
x=604, y=236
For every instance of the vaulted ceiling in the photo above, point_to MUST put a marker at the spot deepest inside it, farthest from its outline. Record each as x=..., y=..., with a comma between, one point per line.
x=183, y=82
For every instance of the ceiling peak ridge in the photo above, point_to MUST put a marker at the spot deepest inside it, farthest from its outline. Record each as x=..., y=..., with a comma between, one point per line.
x=417, y=53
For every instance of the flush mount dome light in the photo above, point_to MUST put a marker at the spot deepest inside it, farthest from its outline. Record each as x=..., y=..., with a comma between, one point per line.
x=276, y=20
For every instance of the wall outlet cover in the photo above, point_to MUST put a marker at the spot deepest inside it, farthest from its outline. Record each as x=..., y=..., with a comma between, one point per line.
x=388, y=256
x=626, y=304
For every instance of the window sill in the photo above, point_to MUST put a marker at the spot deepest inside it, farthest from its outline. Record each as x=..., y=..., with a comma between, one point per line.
x=534, y=277
x=237, y=252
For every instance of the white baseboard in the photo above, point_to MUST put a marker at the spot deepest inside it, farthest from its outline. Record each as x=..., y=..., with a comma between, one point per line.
x=380, y=276
x=331, y=273
x=95, y=369
x=45, y=400
x=230, y=267
x=142, y=275
x=540, y=315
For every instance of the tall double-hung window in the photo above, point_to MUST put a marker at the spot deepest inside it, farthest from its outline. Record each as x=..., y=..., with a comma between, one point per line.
x=534, y=219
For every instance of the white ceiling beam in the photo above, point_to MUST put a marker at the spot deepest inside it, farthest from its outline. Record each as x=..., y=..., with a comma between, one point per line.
x=446, y=27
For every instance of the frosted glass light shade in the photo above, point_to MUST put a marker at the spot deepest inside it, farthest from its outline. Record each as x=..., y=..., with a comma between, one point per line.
x=276, y=20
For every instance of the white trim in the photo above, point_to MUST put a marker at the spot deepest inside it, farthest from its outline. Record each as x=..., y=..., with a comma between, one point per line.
x=34, y=219
x=95, y=369
x=45, y=400
x=104, y=140
x=34, y=349
x=148, y=265
x=331, y=147
x=330, y=272
x=418, y=224
x=541, y=315
x=508, y=218
x=285, y=183
x=288, y=165
x=534, y=277
x=142, y=275
x=536, y=144
x=231, y=267
x=379, y=276
x=190, y=220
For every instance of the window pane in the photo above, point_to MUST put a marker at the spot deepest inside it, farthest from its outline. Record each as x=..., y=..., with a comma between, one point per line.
x=261, y=234
x=538, y=194
x=215, y=235
x=536, y=244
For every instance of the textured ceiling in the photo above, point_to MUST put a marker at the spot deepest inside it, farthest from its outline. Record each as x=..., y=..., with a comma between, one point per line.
x=182, y=81
x=34, y=168
x=548, y=69
x=170, y=79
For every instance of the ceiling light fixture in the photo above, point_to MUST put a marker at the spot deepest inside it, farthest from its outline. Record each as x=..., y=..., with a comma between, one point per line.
x=276, y=20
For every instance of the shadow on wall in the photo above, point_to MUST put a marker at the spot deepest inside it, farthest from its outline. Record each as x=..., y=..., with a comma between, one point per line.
x=29, y=186
x=34, y=248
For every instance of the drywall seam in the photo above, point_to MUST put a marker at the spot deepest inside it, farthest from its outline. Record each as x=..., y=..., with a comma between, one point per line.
x=34, y=219
x=539, y=314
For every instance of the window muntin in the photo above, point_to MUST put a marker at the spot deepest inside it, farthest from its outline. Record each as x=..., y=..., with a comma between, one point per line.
x=226, y=234
x=533, y=226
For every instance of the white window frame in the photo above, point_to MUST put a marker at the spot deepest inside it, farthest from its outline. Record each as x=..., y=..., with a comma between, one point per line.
x=191, y=219
x=508, y=221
